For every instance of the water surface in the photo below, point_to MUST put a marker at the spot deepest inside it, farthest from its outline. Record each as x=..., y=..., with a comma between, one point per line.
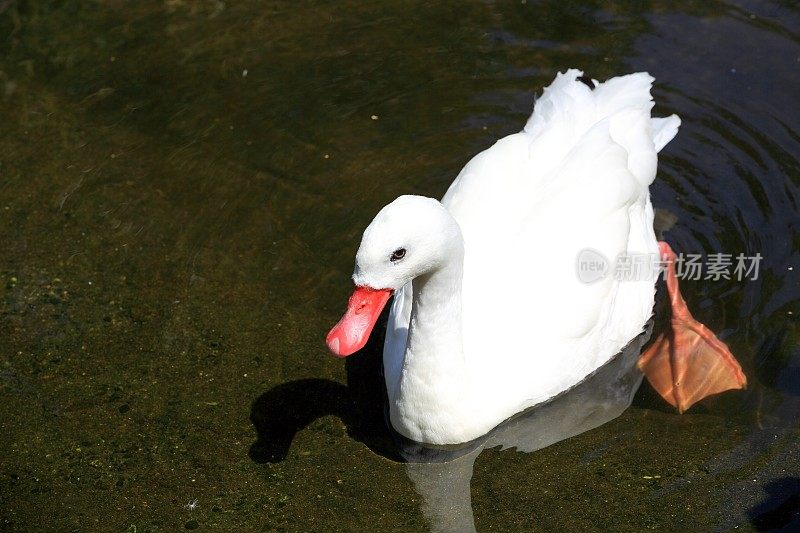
x=183, y=185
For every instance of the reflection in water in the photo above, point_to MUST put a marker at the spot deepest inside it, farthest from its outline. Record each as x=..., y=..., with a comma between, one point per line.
x=442, y=476
x=782, y=510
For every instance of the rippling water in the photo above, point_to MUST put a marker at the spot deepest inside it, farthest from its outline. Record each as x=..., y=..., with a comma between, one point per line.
x=183, y=185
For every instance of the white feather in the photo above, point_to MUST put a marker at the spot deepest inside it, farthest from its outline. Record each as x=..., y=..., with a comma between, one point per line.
x=525, y=327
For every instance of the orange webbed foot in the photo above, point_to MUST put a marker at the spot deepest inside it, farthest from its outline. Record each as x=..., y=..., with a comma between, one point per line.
x=688, y=362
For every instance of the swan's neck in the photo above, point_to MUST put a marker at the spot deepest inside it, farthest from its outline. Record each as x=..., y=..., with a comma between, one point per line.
x=434, y=336
x=434, y=380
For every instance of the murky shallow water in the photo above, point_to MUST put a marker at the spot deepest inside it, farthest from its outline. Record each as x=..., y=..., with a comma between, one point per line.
x=182, y=188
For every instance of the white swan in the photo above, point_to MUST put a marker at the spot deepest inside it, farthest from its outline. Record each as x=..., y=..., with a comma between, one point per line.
x=496, y=319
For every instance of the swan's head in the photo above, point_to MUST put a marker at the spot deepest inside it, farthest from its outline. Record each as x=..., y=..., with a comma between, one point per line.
x=410, y=237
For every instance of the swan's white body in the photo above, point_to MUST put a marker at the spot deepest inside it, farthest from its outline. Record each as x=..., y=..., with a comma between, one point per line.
x=471, y=342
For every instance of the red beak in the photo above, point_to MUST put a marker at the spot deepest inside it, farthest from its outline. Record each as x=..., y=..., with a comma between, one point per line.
x=352, y=331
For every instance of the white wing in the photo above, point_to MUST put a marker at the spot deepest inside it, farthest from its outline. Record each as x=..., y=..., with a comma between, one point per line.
x=394, y=345
x=575, y=178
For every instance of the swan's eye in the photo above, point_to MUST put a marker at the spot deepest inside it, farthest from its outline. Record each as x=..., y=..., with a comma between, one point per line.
x=398, y=254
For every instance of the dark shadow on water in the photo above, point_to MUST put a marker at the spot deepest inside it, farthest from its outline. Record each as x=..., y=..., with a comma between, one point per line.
x=781, y=510
x=279, y=413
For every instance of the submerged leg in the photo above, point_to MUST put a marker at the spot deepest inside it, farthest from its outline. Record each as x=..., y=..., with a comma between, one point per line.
x=688, y=362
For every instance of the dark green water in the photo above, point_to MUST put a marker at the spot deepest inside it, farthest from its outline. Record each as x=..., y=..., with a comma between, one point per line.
x=183, y=184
